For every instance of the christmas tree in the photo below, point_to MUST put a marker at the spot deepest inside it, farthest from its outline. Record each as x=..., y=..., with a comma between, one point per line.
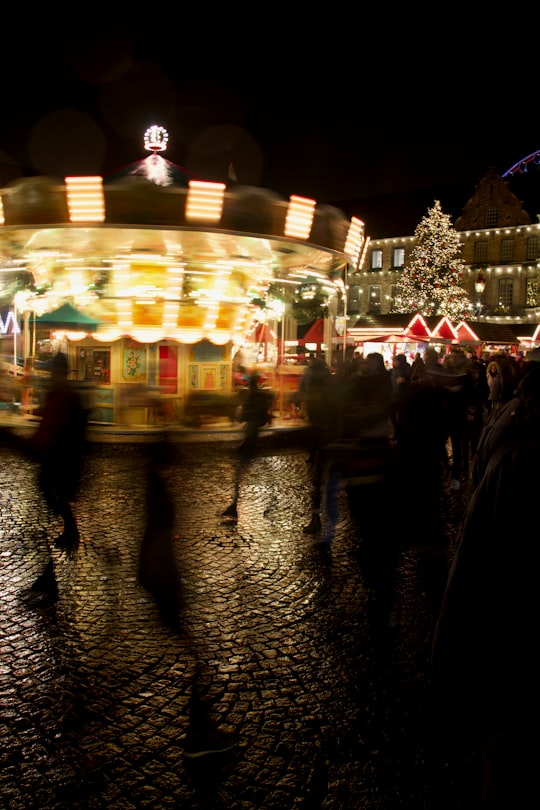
x=432, y=282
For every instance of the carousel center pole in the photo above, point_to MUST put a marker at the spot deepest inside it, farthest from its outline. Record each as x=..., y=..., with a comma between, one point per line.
x=281, y=363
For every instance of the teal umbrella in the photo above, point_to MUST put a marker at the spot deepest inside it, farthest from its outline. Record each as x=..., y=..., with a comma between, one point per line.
x=69, y=318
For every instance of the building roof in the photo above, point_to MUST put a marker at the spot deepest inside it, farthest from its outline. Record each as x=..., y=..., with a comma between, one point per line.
x=394, y=215
x=495, y=333
x=411, y=325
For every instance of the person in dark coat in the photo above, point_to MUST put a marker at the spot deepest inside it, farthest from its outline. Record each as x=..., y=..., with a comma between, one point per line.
x=58, y=447
x=457, y=386
x=318, y=392
x=477, y=413
x=485, y=659
x=400, y=377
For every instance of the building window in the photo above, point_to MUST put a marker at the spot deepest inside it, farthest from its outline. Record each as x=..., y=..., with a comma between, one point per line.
x=393, y=293
x=353, y=301
x=507, y=250
x=533, y=248
x=492, y=217
x=375, y=298
x=532, y=292
x=376, y=259
x=506, y=294
x=480, y=251
x=398, y=257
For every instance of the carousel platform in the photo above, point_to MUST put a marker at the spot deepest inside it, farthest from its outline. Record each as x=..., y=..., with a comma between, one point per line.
x=283, y=428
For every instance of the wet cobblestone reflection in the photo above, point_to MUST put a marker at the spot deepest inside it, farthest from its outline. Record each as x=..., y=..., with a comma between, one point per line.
x=94, y=688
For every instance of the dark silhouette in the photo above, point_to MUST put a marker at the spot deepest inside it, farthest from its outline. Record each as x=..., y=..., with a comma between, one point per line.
x=255, y=413
x=318, y=392
x=400, y=376
x=417, y=366
x=477, y=413
x=457, y=386
x=58, y=447
x=358, y=460
x=420, y=455
x=453, y=383
x=316, y=395
x=160, y=574
x=363, y=459
x=485, y=662
x=158, y=567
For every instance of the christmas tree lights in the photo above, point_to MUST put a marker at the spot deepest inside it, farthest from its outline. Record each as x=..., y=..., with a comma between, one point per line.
x=432, y=282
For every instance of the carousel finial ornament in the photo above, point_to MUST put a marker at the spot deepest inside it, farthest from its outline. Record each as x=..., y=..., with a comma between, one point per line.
x=156, y=139
x=155, y=168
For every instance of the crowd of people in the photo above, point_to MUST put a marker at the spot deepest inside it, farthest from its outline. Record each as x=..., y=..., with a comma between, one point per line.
x=447, y=422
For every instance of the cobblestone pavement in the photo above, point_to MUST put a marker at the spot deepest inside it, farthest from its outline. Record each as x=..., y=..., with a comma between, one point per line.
x=94, y=689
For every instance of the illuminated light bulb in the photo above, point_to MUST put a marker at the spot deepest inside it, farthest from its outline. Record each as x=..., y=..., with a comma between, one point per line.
x=170, y=314
x=125, y=316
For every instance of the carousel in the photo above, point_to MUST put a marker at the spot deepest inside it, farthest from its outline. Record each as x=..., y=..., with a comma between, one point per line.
x=152, y=281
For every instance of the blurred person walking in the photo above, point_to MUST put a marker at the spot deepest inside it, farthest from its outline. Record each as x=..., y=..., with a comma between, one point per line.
x=255, y=413
x=318, y=393
x=358, y=454
x=361, y=460
x=315, y=393
x=420, y=457
x=58, y=447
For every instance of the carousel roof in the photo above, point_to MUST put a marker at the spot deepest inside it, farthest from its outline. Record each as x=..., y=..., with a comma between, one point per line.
x=252, y=226
x=154, y=169
x=238, y=240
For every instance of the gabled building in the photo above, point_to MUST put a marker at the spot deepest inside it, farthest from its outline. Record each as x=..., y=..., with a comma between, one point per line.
x=501, y=248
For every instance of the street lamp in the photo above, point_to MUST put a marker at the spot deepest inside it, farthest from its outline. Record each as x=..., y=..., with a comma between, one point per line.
x=479, y=287
x=480, y=283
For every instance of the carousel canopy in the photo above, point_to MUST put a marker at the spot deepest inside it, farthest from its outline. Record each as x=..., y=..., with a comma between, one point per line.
x=69, y=318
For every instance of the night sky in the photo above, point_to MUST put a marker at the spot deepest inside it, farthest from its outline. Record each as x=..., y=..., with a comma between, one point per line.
x=303, y=110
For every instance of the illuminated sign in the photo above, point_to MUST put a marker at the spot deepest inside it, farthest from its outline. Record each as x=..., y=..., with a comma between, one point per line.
x=5, y=324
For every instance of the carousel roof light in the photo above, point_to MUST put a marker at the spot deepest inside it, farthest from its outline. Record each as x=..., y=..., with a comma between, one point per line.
x=205, y=201
x=85, y=199
x=355, y=239
x=299, y=217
